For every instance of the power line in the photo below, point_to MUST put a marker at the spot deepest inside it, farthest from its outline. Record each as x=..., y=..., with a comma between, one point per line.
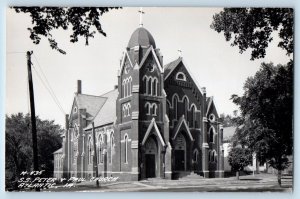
x=57, y=103
x=47, y=84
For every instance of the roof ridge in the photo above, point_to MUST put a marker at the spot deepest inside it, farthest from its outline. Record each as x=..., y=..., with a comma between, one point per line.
x=108, y=92
x=179, y=58
x=170, y=67
x=92, y=120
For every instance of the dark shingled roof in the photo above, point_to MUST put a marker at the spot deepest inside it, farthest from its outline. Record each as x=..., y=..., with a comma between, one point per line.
x=168, y=68
x=141, y=37
x=107, y=113
x=91, y=103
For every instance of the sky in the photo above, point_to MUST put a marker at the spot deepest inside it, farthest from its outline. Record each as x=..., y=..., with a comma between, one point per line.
x=214, y=64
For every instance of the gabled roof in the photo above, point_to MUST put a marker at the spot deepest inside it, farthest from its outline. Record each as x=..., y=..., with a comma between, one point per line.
x=182, y=125
x=168, y=68
x=107, y=113
x=151, y=50
x=91, y=103
x=210, y=104
x=125, y=55
x=156, y=132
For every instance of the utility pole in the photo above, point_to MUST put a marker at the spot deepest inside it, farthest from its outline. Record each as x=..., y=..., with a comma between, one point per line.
x=32, y=109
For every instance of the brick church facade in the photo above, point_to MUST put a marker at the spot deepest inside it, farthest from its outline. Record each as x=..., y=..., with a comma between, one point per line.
x=157, y=123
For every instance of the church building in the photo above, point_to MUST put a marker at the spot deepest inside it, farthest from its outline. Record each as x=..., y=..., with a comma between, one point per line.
x=156, y=123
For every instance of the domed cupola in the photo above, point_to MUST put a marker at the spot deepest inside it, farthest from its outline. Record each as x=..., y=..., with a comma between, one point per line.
x=141, y=37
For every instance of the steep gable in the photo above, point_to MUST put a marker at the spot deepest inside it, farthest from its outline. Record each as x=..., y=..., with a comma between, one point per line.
x=211, y=108
x=176, y=65
x=150, y=52
x=168, y=68
x=90, y=103
x=126, y=62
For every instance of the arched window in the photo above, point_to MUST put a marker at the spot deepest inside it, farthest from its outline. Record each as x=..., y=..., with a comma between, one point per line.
x=148, y=108
x=129, y=85
x=90, y=158
x=128, y=109
x=150, y=86
x=181, y=76
x=193, y=115
x=211, y=135
x=112, y=142
x=186, y=107
x=124, y=110
x=145, y=84
x=126, y=149
x=124, y=89
x=154, y=109
x=154, y=85
x=175, y=104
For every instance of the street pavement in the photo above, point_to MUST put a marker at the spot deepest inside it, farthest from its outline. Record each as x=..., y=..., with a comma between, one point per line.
x=250, y=183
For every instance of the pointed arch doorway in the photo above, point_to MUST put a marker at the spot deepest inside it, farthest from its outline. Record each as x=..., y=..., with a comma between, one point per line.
x=180, y=152
x=151, y=155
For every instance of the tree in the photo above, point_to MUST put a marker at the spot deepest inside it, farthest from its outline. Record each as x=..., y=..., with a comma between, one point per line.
x=85, y=21
x=226, y=120
x=239, y=158
x=251, y=28
x=18, y=143
x=267, y=112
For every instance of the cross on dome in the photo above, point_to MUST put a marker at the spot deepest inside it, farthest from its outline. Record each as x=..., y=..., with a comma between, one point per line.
x=141, y=16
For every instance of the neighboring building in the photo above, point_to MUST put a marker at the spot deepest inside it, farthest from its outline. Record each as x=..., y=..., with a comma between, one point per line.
x=228, y=133
x=156, y=123
x=58, y=164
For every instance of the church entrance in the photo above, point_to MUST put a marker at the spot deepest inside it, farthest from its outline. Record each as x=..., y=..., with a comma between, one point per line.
x=179, y=160
x=180, y=153
x=151, y=157
x=150, y=165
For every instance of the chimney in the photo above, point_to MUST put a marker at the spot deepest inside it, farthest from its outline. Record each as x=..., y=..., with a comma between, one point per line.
x=78, y=86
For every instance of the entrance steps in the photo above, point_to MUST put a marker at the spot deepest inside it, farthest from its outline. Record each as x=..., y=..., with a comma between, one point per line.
x=186, y=175
x=191, y=176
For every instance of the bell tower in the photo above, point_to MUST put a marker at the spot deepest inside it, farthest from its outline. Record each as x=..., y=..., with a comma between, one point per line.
x=141, y=109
